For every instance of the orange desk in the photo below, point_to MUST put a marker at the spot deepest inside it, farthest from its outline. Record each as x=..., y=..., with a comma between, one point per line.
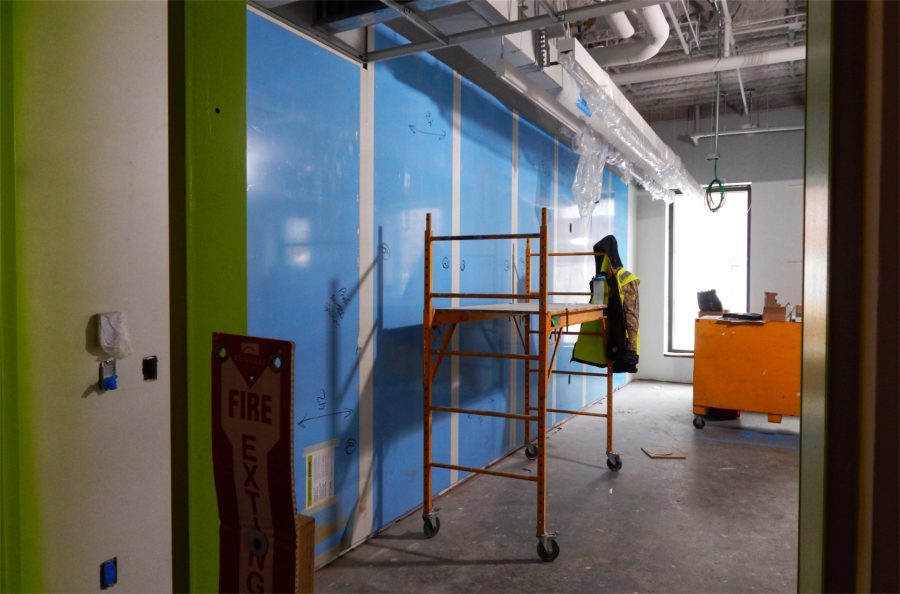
x=748, y=367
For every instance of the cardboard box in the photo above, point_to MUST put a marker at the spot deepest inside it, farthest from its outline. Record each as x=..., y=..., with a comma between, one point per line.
x=306, y=553
x=772, y=310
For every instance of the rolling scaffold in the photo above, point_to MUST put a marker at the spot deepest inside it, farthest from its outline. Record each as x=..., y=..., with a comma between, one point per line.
x=553, y=321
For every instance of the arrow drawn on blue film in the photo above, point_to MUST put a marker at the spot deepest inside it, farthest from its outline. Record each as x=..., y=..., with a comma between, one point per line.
x=344, y=411
x=441, y=135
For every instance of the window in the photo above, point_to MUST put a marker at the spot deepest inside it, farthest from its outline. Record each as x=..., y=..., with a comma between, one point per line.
x=707, y=250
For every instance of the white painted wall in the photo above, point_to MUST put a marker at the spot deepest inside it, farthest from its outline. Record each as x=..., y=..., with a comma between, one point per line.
x=773, y=165
x=756, y=158
x=92, y=196
x=652, y=239
x=776, y=242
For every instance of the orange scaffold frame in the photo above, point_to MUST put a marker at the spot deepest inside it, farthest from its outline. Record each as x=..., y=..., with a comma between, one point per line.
x=553, y=321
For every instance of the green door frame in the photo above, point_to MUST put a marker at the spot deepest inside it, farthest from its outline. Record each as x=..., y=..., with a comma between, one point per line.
x=215, y=221
x=10, y=572
x=849, y=517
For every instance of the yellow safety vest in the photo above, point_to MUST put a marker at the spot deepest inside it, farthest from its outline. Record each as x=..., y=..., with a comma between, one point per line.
x=590, y=348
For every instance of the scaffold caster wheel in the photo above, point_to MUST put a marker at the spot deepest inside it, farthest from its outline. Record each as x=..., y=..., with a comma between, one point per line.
x=547, y=554
x=432, y=525
x=699, y=422
x=613, y=462
x=531, y=451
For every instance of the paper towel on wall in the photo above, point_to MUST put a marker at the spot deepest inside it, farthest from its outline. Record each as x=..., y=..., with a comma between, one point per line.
x=113, y=335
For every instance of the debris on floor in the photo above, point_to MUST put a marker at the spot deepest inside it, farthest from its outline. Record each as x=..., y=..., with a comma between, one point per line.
x=661, y=453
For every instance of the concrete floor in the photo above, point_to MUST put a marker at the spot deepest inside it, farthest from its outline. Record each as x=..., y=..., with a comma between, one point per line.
x=722, y=520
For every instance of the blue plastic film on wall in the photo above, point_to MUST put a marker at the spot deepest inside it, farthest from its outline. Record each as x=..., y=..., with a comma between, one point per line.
x=303, y=158
x=485, y=267
x=536, y=162
x=302, y=253
x=536, y=166
x=610, y=213
x=413, y=166
x=620, y=220
x=620, y=230
x=610, y=217
x=571, y=273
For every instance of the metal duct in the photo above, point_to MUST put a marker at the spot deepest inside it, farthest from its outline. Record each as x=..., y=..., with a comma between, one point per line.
x=694, y=67
x=536, y=22
x=637, y=50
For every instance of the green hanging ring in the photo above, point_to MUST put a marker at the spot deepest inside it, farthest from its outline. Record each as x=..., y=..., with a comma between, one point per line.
x=709, y=191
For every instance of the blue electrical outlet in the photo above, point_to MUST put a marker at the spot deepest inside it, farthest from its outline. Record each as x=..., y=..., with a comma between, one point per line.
x=109, y=573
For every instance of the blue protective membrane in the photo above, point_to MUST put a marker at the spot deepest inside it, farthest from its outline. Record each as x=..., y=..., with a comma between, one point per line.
x=303, y=154
x=485, y=267
x=302, y=244
x=413, y=164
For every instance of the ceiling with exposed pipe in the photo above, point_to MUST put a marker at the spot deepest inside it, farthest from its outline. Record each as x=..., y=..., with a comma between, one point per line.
x=773, y=29
x=664, y=56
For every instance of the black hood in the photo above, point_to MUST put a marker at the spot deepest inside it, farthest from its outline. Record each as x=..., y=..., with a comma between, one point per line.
x=609, y=246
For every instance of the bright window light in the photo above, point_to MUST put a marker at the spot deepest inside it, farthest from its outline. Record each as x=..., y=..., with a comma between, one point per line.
x=707, y=250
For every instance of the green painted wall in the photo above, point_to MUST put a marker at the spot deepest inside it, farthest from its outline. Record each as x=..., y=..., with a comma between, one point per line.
x=10, y=577
x=216, y=219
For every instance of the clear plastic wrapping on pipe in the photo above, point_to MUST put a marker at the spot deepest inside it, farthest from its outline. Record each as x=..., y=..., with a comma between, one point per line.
x=623, y=165
x=656, y=169
x=593, y=153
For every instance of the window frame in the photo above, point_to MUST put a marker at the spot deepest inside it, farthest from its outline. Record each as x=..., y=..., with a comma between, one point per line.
x=670, y=264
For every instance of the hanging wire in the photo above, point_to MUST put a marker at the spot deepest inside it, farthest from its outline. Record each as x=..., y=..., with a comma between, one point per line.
x=710, y=200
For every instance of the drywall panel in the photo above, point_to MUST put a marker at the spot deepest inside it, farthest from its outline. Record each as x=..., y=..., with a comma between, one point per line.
x=569, y=274
x=536, y=183
x=413, y=176
x=485, y=181
x=776, y=242
x=303, y=254
x=441, y=146
x=651, y=268
x=536, y=191
x=91, y=134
